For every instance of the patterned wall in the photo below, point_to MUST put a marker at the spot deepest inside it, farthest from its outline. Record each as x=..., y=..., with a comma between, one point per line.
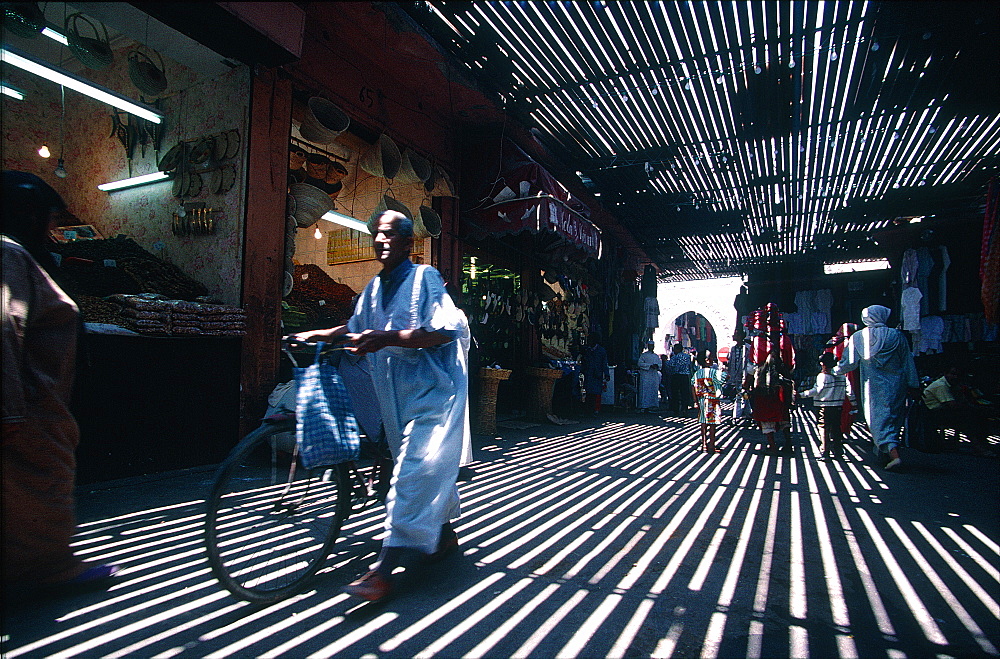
x=194, y=107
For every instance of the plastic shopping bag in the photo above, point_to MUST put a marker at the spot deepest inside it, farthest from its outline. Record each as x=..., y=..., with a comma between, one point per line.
x=325, y=428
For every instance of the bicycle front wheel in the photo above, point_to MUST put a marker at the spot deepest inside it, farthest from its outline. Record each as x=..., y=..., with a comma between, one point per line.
x=270, y=522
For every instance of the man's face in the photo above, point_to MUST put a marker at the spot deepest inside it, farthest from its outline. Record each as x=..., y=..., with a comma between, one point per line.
x=391, y=248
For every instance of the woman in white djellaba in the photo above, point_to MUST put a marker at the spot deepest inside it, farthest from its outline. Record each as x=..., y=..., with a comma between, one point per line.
x=649, y=379
x=888, y=373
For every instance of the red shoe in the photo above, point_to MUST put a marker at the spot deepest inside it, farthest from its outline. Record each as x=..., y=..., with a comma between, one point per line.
x=373, y=586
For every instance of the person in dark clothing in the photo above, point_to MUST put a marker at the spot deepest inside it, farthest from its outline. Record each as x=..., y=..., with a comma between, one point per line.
x=595, y=373
x=681, y=367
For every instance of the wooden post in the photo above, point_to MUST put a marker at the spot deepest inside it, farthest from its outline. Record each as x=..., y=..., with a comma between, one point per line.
x=264, y=241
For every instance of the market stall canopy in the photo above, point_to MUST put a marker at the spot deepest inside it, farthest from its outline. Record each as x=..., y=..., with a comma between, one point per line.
x=525, y=197
x=728, y=137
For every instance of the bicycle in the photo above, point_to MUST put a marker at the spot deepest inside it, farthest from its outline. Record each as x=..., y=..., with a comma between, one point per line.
x=270, y=523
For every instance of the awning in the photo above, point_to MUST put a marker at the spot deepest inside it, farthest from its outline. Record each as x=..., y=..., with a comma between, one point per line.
x=525, y=197
x=537, y=214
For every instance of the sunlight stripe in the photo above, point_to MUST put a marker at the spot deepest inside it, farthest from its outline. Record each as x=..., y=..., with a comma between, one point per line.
x=510, y=623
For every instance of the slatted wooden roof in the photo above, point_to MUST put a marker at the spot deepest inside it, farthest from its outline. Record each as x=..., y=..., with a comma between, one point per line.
x=729, y=135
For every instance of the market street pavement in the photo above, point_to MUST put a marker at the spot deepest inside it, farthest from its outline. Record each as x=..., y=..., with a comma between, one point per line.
x=611, y=537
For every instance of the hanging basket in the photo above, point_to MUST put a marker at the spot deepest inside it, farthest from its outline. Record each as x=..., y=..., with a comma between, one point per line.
x=428, y=223
x=24, y=19
x=388, y=204
x=147, y=77
x=310, y=204
x=383, y=159
x=413, y=168
x=324, y=122
x=93, y=52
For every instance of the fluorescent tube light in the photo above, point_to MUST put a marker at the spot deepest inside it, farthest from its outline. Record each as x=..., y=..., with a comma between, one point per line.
x=346, y=221
x=52, y=34
x=62, y=77
x=134, y=181
x=855, y=266
x=7, y=90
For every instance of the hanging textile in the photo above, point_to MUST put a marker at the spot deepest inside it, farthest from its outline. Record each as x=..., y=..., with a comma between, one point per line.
x=989, y=260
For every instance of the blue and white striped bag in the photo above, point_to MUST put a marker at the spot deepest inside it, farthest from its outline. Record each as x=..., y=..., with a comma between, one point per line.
x=325, y=428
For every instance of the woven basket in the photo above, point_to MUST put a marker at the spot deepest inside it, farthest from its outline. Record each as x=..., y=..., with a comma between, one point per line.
x=93, y=52
x=428, y=223
x=324, y=121
x=24, y=19
x=413, y=168
x=310, y=204
x=147, y=77
x=383, y=159
x=388, y=204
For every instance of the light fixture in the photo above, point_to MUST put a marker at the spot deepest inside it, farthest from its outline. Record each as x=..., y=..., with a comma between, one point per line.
x=60, y=76
x=134, y=181
x=855, y=266
x=13, y=92
x=56, y=36
x=345, y=221
x=317, y=234
x=44, y=151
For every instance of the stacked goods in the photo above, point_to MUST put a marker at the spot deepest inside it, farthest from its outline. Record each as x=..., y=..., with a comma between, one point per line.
x=95, y=310
x=119, y=265
x=317, y=300
x=155, y=314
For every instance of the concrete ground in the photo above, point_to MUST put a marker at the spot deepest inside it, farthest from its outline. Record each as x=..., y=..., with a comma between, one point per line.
x=611, y=537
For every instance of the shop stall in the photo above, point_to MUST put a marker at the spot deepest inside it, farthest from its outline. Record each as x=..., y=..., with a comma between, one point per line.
x=149, y=155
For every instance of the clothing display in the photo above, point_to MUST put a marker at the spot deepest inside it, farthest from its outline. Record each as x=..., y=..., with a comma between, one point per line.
x=910, y=306
x=652, y=311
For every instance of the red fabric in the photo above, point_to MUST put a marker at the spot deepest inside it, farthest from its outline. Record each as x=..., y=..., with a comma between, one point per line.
x=771, y=408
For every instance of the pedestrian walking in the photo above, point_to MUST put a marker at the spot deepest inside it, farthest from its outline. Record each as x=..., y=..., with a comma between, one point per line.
x=771, y=397
x=680, y=366
x=40, y=435
x=828, y=396
x=595, y=371
x=649, y=379
x=706, y=384
x=882, y=355
x=417, y=342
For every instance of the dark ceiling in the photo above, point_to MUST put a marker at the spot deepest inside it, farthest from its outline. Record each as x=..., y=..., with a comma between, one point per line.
x=730, y=136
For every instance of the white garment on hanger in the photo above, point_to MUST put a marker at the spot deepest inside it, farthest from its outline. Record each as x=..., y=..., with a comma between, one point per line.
x=910, y=307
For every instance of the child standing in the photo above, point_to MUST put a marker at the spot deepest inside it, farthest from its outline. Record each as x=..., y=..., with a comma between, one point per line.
x=828, y=396
x=706, y=385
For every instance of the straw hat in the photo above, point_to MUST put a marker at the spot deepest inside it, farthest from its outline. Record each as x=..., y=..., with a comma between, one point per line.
x=310, y=204
x=413, y=168
x=388, y=204
x=428, y=222
x=382, y=159
x=323, y=122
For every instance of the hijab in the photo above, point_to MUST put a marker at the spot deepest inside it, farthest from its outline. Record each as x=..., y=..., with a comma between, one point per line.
x=28, y=202
x=875, y=315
